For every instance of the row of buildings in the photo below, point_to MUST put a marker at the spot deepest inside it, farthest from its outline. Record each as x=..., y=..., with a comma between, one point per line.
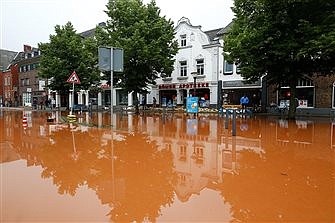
x=199, y=66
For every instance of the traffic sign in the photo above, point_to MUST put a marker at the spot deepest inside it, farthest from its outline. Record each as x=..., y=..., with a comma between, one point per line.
x=73, y=78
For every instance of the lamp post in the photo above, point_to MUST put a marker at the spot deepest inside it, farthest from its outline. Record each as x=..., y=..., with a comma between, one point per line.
x=194, y=75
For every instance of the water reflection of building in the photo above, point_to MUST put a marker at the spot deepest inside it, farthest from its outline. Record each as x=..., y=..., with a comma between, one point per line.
x=202, y=156
x=10, y=132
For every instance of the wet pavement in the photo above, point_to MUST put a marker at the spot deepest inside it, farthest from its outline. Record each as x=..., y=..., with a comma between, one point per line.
x=151, y=168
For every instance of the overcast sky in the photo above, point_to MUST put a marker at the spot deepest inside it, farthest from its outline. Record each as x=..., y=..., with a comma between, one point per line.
x=32, y=21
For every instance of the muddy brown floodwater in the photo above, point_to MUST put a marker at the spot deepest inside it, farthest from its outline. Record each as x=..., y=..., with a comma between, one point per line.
x=165, y=169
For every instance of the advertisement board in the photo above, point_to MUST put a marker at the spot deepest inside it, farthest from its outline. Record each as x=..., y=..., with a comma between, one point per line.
x=192, y=105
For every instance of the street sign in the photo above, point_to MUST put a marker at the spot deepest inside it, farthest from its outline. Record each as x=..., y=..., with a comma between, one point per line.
x=73, y=78
x=110, y=58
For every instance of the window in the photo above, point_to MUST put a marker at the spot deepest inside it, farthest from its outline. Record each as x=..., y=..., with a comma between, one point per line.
x=228, y=68
x=334, y=95
x=183, y=40
x=238, y=68
x=22, y=82
x=183, y=68
x=182, y=153
x=27, y=81
x=200, y=67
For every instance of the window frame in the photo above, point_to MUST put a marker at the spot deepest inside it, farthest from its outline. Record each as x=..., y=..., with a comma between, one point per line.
x=183, y=41
x=183, y=68
x=229, y=72
x=200, y=63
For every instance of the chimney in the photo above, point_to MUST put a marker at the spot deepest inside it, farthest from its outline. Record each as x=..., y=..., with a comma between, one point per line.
x=26, y=48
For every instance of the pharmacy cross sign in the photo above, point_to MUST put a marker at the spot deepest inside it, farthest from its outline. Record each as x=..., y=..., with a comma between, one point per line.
x=73, y=78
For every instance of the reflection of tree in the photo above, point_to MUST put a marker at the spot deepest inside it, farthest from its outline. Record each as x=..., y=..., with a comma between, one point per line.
x=147, y=175
x=142, y=180
x=59, y=160
x=279, y=186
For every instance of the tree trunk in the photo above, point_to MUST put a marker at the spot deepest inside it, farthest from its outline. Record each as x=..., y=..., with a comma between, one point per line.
x=293, y=101
x=137, y=109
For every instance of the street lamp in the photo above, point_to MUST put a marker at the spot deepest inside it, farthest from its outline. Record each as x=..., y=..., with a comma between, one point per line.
x=194, y=75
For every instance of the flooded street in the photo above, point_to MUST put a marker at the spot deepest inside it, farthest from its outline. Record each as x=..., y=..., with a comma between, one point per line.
x=165, y=169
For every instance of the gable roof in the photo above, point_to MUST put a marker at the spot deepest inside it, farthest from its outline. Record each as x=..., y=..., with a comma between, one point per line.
x=213, y=34
x=6, y=58
x=91, y=32
x=225, y=29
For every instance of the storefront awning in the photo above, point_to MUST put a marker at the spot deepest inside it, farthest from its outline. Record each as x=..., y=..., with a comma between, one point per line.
x=240, y=84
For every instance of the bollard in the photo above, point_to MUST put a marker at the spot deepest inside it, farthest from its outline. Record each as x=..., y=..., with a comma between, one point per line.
x=233, y=133
x=164, y=115
x=227, y=119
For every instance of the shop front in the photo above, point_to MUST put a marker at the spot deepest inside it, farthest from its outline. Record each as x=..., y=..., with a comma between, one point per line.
x=234, y=90
x=176, y=94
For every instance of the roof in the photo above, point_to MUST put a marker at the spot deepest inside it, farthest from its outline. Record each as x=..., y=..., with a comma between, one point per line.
x=213, y=34
x=91, y=32
x=6, y=58
x=225, y=29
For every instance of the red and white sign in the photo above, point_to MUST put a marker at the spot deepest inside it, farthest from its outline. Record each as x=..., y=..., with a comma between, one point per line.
x=183, y=86
x=73, y=78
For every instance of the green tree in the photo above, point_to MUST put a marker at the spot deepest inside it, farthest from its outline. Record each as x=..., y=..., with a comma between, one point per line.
x=68, y=52
x=147, y=40
x=285, y=40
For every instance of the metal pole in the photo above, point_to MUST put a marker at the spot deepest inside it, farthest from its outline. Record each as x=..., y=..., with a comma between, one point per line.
x=194, y=91
x=112, y=67
x=72, y=98
x=227, y=119
x=234, y=123
x=194, y=85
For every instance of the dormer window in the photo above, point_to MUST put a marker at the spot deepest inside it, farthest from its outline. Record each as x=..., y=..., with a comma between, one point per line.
x=183, y=40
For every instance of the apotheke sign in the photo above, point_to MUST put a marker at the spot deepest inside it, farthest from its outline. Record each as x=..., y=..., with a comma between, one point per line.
x=183, y=86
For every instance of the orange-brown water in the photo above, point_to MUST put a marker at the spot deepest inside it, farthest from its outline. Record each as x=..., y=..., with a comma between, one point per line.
x=176, y=169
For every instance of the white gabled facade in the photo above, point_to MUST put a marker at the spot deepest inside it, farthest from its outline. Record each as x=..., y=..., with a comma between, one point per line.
x=199, y=52
x=202, y=52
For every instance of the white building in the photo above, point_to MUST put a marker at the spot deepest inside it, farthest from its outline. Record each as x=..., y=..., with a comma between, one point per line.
x=202, y=53
x=199, y=52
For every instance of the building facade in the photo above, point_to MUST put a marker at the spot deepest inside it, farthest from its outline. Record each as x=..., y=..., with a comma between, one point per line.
x=32, y=92
x=200, y=69
x=196, y=68
x=6, y=80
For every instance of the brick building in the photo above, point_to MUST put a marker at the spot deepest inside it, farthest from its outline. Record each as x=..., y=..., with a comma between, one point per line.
x=31, y=88
x=6, y=91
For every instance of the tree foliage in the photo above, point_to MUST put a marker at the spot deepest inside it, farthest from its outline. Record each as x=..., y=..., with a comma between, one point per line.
x=285, y=40
x=66, y=52
x=147, y=40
